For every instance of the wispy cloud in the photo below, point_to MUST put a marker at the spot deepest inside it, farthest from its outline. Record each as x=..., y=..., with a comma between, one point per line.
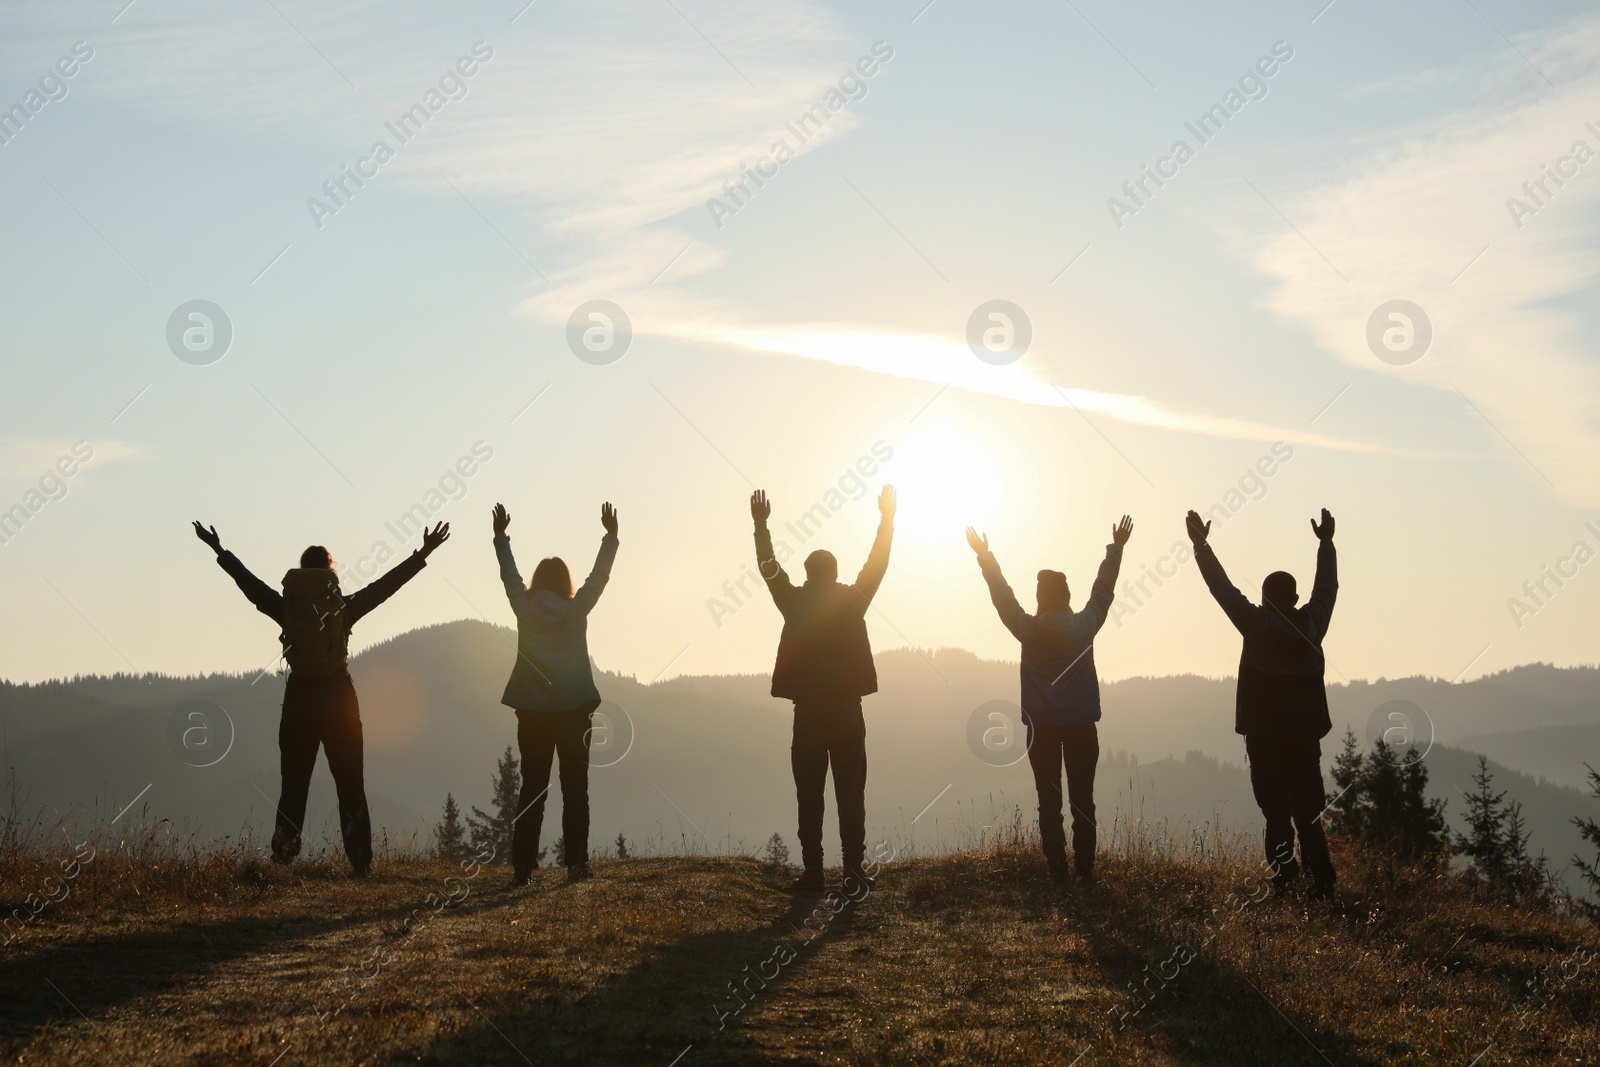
x=1410, y=217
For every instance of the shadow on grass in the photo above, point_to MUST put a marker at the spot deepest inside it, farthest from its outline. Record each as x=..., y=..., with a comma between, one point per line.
x=1206, y=1011
x=680, y=1005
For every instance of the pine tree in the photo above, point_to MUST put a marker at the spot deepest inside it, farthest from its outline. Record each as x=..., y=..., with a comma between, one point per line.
x=560, y=849
x=777, y=851
x=494, y=831
x=1383, y=802
x=1590, y=870
x=622, y=846
x=1497, y=843
x=449, y=836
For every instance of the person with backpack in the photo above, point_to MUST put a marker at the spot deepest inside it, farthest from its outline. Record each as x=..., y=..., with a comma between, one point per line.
x=320, y=709
x=1060, y=694
x=1282, y=703
x=825, y=666
x=552, y=691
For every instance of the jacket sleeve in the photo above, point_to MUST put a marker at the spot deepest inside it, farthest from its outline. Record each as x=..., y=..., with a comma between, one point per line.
x=1093, y=615
x=772, y=572
x=267, y=600
x=1325, y=589
x=364, y=600
x=1018, y=621
x=586, y=597
x=1234, y=604
x=510, y=577
x=877, y=564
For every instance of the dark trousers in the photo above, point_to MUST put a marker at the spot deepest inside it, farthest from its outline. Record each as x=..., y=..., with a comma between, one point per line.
x=541, y=735
x=1286, y=776
x=1076, y=748
x=321, y=712
x=831, y=732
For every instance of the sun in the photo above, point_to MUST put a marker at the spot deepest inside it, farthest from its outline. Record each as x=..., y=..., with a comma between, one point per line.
x=947, y=480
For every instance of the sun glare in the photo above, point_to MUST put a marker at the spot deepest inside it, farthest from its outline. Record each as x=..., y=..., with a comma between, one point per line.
x=947, y=481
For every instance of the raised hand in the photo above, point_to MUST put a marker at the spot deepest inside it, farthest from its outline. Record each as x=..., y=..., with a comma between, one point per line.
x=760, y=507
x=502, y=519
x=1198, y=531
x=887, y=500
x=1122, y=530
x=209, y=536
x=1325, y=531
x=978, y=541
x=608, y=518
x=432, y=539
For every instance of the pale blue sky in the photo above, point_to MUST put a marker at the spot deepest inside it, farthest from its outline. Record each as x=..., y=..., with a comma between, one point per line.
x=821, y=318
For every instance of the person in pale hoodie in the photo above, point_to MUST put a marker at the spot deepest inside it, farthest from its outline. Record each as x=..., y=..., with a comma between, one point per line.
x=553, y=693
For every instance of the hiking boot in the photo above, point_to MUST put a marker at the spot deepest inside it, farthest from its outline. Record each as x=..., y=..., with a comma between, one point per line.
x=1058, y=874
x=520, y=879
x=360, y=870
x=1086, y=877
x=811, y=880
x=579, y=874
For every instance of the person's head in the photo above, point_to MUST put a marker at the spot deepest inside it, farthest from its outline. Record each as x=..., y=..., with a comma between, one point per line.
x=552, y=574
x=822, y=567
x=1278, y=590
x=318, y=557
x=1053, y=592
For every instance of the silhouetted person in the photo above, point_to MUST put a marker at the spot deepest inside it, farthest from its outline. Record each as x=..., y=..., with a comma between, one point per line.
x=552, y=690
x=319, y=699
x=1282, y=705
x=825, y=666
x=1060, y=693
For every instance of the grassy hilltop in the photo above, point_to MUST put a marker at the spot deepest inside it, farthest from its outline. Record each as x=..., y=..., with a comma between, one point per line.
x=149, y=956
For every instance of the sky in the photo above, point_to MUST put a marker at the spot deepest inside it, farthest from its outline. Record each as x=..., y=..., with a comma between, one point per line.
x=1356, y=285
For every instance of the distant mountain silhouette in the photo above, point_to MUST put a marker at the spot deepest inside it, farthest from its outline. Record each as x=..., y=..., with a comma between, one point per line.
x=708, y=767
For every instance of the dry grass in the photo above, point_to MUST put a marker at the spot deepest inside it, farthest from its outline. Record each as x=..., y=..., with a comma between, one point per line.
x=166, y=953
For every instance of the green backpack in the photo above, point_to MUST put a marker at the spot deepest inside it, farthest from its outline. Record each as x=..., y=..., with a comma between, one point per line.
x=316, y=641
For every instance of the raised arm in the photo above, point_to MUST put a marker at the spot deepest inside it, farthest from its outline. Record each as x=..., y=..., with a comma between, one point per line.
x=877, y=564
x=1093, y=615
x=772, y=572
x=1233, y=603
x=1325, y=590
x=267, y=600
x=509, y=577
x=586, y=598
x=388, y=584
x=1012, y=616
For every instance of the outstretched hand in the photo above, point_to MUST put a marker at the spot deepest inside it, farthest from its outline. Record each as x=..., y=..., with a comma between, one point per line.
x=1122, y=530
x=1198, y=531
x=608, y=518
x=978, y=541
x=432, y=539
x=887, y=501
x=502, y=519
x=1325, y=531
x=760, y=507
x=210, y=536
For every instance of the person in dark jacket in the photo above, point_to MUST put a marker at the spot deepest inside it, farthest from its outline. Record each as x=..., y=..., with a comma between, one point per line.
x=552, y=691
x=825, y=666
x=319, y=699
x=1282, y=704
x=1060, y=693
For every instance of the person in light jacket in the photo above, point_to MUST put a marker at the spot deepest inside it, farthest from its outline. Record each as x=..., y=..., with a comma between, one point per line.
x=1060, y=693
x=553, y=693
